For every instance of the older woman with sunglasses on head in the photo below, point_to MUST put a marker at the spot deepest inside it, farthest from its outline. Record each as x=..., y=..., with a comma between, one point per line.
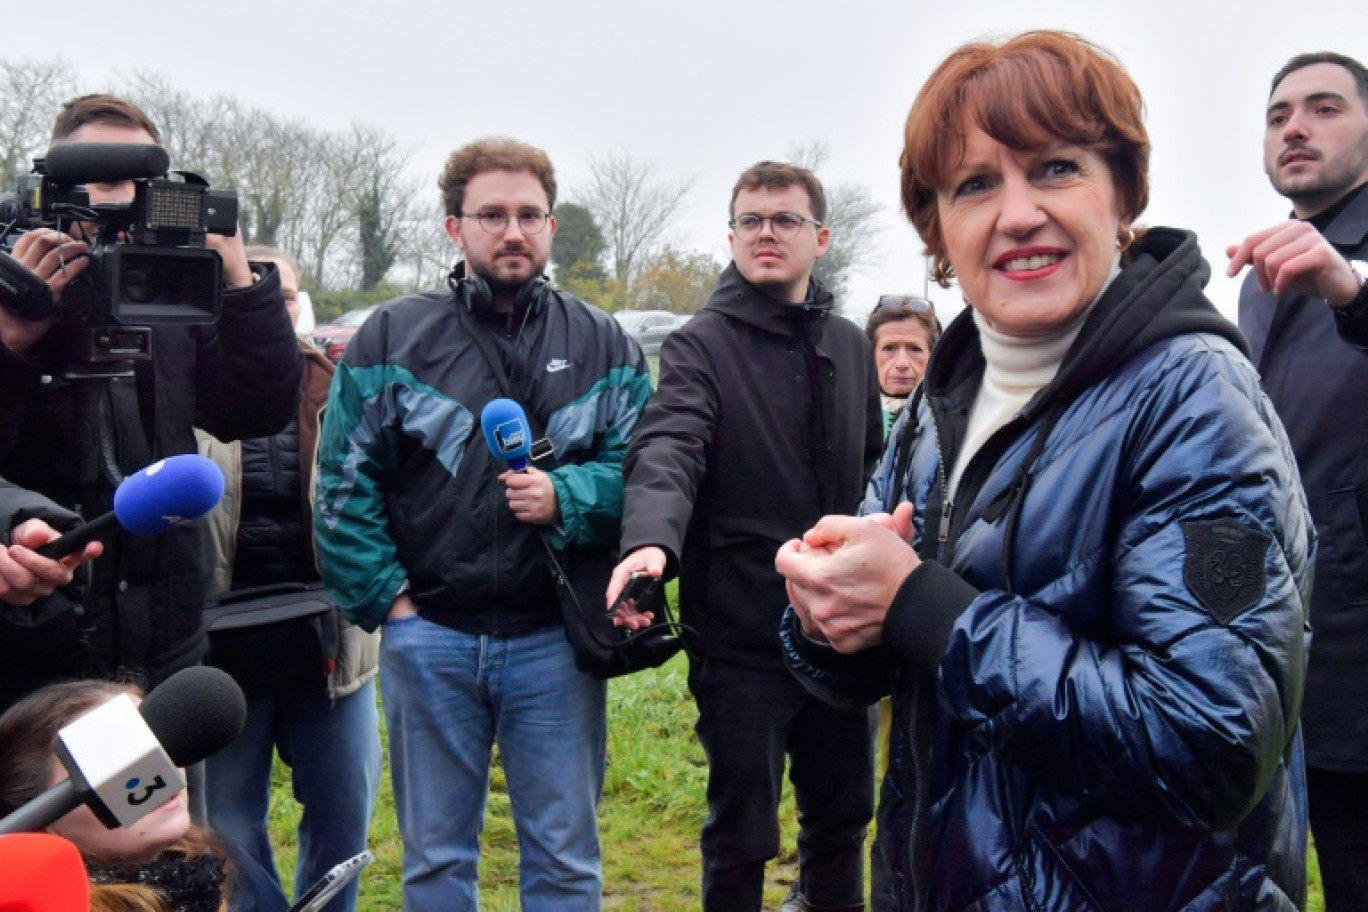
x=1087, y=593
x=903, y=329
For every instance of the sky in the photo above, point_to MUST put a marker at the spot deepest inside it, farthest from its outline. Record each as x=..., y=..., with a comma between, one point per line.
x=704, y=88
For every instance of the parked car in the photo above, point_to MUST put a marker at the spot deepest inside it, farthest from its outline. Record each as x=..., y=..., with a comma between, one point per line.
x=334, y=337
x=648, y=327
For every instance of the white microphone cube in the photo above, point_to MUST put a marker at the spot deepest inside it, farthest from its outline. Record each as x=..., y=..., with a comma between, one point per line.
x=111, y=753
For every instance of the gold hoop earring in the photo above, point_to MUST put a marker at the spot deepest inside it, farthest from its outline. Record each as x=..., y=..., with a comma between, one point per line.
x=1126, y=239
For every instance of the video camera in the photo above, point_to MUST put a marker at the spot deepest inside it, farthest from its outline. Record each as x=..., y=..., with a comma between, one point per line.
x=148, y=260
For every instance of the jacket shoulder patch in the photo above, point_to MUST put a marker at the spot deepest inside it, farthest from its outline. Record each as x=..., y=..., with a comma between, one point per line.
x=1224, y=566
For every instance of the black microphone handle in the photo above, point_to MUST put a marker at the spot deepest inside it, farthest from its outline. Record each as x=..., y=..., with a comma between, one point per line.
x=77, y=539
x=42, y=812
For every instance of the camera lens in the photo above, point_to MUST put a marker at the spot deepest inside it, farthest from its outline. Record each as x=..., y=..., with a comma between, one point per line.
x=141, y=286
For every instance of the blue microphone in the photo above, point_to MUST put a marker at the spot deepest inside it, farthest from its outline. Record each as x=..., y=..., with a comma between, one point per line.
x=172, y=492
x=507, y=432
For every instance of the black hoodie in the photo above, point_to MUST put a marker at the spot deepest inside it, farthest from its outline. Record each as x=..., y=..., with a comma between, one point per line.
x=767, y=417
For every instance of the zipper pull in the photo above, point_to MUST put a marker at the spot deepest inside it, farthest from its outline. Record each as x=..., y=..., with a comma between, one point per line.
x=943, y=532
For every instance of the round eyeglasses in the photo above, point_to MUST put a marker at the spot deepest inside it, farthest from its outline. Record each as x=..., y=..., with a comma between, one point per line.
x=785, y=225
x=495, y=221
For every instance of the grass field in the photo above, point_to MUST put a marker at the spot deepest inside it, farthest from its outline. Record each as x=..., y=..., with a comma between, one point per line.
x=653, y=806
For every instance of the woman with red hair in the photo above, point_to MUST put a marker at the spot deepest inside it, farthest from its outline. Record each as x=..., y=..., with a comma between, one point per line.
x=1083, y=569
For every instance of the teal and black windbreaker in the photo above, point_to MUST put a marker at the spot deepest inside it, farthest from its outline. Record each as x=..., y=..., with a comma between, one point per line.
x=407, y=489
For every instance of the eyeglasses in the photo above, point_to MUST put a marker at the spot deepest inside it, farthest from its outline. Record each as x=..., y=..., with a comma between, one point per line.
x=909, y=302
x=785, y=225
x=530, y=221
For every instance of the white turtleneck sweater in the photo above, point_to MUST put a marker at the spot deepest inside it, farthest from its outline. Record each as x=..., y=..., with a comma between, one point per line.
x=1016, y=369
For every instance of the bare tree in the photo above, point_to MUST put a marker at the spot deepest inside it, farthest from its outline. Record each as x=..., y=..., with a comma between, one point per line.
x=325, y=213
x=811, y=154
x=377, y=201
x=375, y=233
x=279, y=170
x=633, y=207
x=426, y=252
x=273, y=169
x=852, y=214
x=30, y=93
x=192, y=129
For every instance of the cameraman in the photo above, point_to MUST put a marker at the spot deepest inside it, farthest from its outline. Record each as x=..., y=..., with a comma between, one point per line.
x=69, y=440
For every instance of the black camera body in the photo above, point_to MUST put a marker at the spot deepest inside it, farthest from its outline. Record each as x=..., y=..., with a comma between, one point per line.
x=148, y=261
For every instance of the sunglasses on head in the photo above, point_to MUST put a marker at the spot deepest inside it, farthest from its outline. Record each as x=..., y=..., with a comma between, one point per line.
x=910, y=302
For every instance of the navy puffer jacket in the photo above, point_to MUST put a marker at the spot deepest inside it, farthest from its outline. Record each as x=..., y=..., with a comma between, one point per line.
x=1097, y=671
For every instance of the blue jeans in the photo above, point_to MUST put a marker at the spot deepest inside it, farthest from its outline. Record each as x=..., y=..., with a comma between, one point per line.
x=449, y=698
x=333, y=751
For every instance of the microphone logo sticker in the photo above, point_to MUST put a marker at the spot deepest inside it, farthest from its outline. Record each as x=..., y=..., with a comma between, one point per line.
x=148, y=790
x=510, y=435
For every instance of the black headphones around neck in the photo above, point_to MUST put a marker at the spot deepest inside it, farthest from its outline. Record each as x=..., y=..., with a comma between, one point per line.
x=473, y=292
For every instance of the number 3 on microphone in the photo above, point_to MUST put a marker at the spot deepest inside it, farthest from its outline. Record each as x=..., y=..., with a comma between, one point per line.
x=148, y=790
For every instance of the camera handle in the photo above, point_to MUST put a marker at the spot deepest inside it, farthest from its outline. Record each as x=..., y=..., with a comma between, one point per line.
x=22, y=293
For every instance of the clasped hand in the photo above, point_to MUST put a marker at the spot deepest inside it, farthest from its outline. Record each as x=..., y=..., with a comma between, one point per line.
x=844, y=572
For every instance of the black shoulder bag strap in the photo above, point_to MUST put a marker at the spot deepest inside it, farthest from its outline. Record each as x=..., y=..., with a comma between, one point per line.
x=657, y=643
x=542, y=452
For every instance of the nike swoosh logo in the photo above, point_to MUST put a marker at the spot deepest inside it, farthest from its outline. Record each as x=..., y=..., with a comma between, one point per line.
x=555, y=365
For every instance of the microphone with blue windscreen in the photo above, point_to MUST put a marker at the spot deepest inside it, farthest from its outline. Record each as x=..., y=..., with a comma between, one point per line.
x=171, y=492
x=507, y=432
